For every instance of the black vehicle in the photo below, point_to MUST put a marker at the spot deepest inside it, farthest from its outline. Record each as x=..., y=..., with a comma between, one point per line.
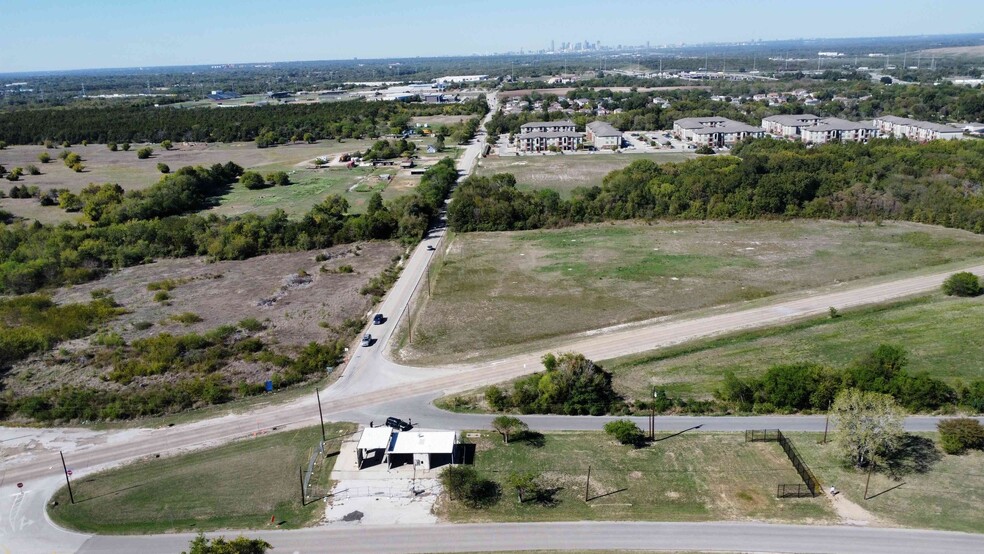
x=378, y=319
x=431, y=247
x=398, y=424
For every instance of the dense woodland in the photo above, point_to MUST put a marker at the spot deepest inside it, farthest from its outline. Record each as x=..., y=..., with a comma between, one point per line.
x=937, y=183
x=268, y=125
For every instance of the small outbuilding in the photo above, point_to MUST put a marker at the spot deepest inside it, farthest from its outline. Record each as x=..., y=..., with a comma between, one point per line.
x=373, y=444
x=426, y=449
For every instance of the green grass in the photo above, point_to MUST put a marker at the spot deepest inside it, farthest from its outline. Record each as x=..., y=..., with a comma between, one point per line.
x=692, y=477
x=940, y=334
x=948, y=496
x=239, y=485
x=567, y=172
x=524, y=288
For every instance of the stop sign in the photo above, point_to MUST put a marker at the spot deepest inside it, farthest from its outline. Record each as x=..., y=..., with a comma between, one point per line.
x=20, y=485
x=68, y=471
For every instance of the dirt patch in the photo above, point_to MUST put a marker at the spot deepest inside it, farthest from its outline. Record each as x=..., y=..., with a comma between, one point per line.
x=297, y=302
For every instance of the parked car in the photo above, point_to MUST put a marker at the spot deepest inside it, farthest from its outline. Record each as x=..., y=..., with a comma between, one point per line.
x=367, y=340
x=398, y=424
x=378, y=319
x=430, y=247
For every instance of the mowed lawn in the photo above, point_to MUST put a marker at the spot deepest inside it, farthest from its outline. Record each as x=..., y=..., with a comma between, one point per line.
x=237, y=486
x=941, y=335
x=564, y=173
x=948, y=494
x=500, y=293
x=690, y=477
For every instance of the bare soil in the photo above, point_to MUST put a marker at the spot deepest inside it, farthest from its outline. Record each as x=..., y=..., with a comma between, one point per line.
x=269, y=288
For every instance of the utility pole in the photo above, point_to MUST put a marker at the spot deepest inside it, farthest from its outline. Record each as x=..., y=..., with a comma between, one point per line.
x=67, y=481
x=321, y=415
x=587, y=484
x=868, y=480
x=826, y=424
x=300, y=473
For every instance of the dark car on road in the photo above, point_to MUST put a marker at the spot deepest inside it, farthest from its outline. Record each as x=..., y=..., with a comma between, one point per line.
x=398, y=424
x=378, y=319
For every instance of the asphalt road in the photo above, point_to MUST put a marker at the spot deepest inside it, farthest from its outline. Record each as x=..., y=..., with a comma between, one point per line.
x=372, y=387
x=730, y=537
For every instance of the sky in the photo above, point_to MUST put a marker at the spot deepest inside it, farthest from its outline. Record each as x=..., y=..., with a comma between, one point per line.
x=58, y=34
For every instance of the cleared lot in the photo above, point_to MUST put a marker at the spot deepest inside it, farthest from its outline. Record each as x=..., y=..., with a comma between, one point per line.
x=566, y=172
x=493, y=292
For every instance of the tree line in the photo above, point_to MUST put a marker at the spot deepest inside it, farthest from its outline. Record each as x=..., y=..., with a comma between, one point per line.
x=936, y=183
x=269, y=125
x=129, y=228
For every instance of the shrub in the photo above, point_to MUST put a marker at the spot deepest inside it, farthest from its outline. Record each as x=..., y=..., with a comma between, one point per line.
x=279, y=178
x=187, y=318
x=33, y=169
x=625, y=431
x=964, y=283
x=464, y=484
x=112, y=147
x=142, y=325
x=145, y=152
x=252, y=325
x=960, y=434
x=252, y=180
x=126, y=146
x=166, y=144
x=44, y=157
x=163, y=168
x=497, y=399
x=161, y=296
x=345, y=269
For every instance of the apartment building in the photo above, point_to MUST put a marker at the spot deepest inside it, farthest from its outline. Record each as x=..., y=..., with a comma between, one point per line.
x=920, y=131
x=602, y=135
x=539, y=136
x=714, y=131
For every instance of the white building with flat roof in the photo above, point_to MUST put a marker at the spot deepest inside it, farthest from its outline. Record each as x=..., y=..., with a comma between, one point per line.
x=427, y=449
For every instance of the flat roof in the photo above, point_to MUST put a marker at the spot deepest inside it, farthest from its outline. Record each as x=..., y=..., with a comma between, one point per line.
x=375, y=438
x=730, y=127
x=837, y=124
x=939, y=127
x=697, y=122
x=423, y=442
x=549, y=134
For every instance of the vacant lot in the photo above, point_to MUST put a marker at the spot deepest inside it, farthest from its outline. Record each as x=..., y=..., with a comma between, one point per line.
x=692, y=477
x=932, y=490
x=124, y=168
x=940, y=334
x=272, y=289
x=565, y=173
x=493, y=292
x=237, y=486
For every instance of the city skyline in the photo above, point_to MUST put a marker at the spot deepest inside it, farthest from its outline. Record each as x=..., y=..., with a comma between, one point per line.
x=109, y=34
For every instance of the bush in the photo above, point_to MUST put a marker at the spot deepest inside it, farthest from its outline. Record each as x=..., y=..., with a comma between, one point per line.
x=142, y=325
x=44, y=157
x=279, y=178
x=625, y=432
x=161, y=296
x=126, y=146
x=33, y=169
x=145, y=152
x=112, y=147
x=705, y=149
x=464, y=484
x=252, y=325
x=962, y=284
x=252, y=180
x=163, y=168
x=166, y=144
x=960, y=434
x=187, y=318
x=496, y=398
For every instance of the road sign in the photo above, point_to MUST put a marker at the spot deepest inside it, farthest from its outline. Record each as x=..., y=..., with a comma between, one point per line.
x=68, y=471
x=20, y=485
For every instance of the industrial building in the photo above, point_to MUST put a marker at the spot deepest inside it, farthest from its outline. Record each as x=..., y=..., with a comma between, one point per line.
x=714, y=131
x=540, y=136
x=602, y=135
x=921, y=131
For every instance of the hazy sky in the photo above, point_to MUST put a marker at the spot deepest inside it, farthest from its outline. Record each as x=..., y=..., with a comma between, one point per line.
x=58, y=34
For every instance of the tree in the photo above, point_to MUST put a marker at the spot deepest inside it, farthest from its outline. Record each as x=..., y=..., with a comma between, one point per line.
x=72, y=158
x=3, y=145
x=625, y=431
x=126, y=146
x=163, y=168
x=497, y=399
x=508, y=425
x=279, y=178
x=704, y=149
x=44, y=157
x=964, y=283
x=526, y=484
x=33, y=169
x=144, y=152
x=309, y=138
x=166, y=144
x=112, y=147
x=886, y=80
x=869, y=424
x=960, y=434
x=252, y=180
x=238, y=545
x=463, y=483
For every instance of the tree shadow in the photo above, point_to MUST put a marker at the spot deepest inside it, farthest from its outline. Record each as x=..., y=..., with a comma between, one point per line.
x=547, y=496
x=914, y=454
x=535, y=439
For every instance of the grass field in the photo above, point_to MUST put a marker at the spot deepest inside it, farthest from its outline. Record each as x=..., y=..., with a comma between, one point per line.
x=525, y=287
x=949, y=495
x=940, y=334
x=567, y=172
x=692, y=477
x=236, y=486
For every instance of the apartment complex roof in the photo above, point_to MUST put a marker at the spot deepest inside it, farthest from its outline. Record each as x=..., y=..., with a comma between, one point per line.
x=793, y=119
x=698, y=122
x=729, y=127
x=548, y=124
x=928, y=125
x=603, y=129
x=549, y=134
